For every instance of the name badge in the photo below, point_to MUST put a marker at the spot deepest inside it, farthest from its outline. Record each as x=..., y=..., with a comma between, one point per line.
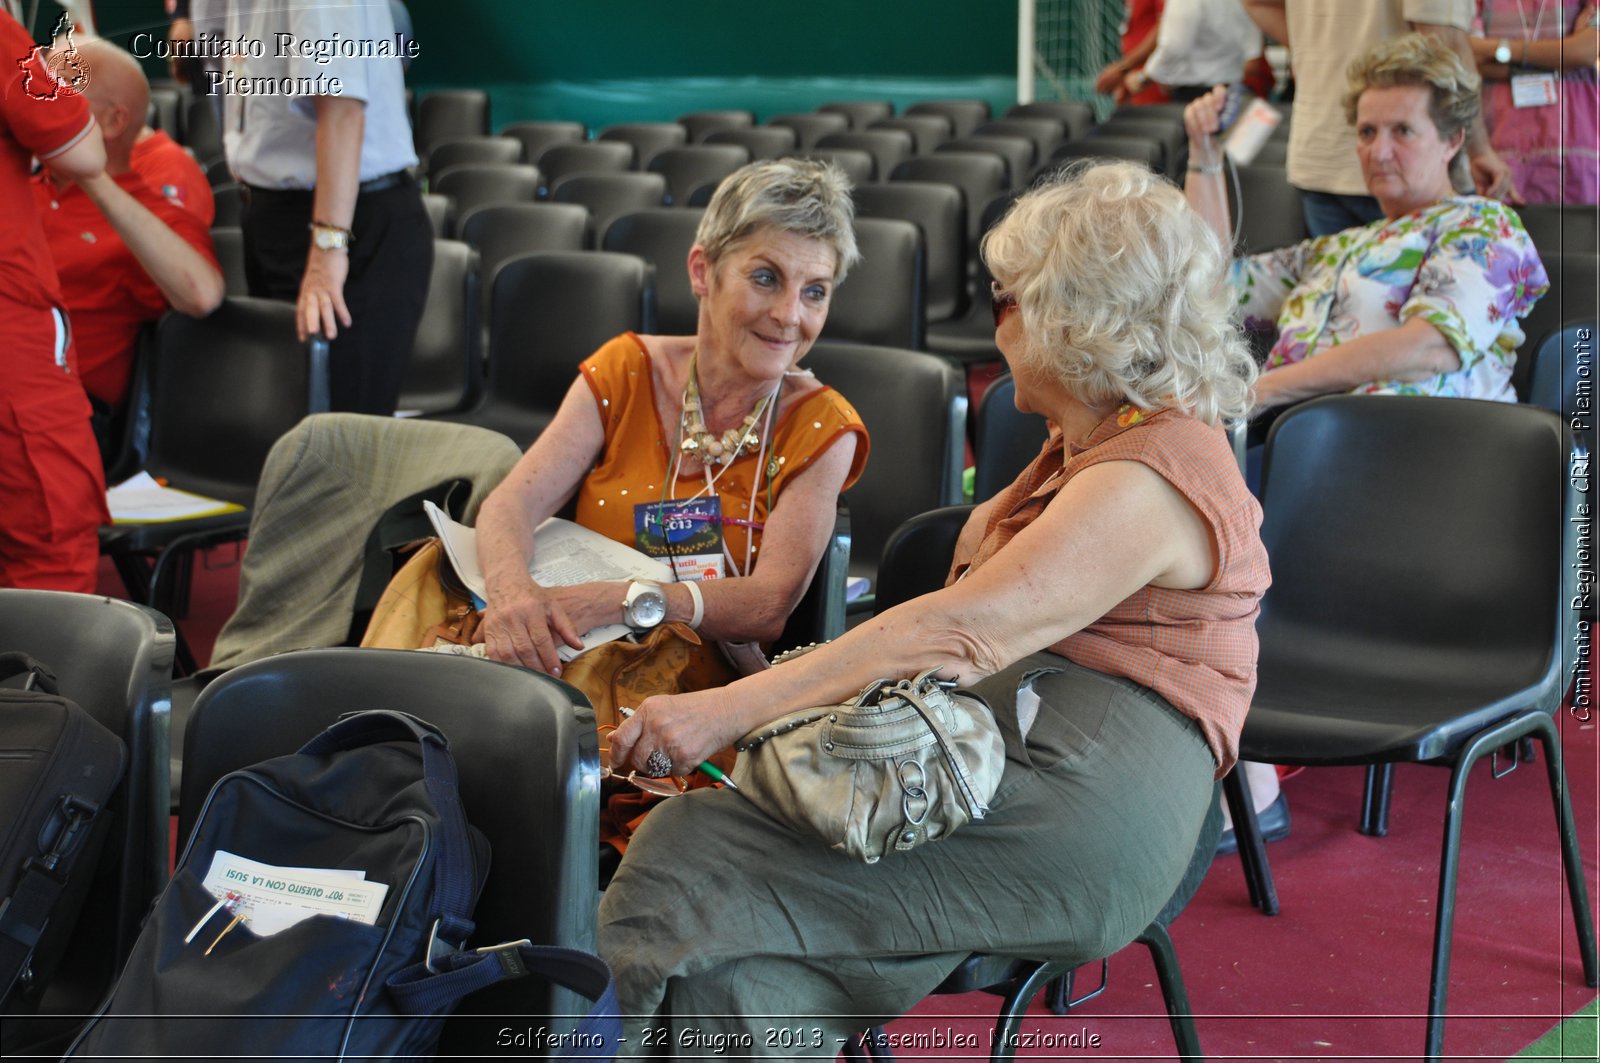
x=686, y=533
x=1533, y=90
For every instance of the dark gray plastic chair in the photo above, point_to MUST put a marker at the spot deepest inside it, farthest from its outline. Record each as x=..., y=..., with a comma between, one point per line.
x=963, y=115
x=1415, y=613
x=527, y=755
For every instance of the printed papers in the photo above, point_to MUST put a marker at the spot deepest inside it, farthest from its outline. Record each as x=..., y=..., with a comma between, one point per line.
x=140, y=499
x=275, y=898
x=564, y=553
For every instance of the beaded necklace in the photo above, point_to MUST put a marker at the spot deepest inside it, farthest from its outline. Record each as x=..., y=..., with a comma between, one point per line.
x=695, y=440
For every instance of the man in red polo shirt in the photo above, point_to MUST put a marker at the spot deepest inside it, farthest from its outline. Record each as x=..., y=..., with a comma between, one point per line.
x=52, y=492
x=129, y=247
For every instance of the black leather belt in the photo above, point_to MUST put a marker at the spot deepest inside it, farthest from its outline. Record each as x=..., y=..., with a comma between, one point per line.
x=377, y=184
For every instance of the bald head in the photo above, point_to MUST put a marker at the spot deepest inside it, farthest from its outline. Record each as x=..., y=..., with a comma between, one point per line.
x=118, y=94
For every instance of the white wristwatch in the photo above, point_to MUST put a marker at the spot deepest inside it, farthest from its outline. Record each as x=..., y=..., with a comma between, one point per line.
x=1502, y=51
x=645, y=605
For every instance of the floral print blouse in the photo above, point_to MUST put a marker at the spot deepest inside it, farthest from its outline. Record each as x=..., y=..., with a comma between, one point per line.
x=1465, y=265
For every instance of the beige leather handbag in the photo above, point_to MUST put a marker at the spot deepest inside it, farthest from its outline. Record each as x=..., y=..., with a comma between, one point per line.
x=902, y=763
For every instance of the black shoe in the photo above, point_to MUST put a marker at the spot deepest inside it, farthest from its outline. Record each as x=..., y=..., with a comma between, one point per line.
x=1273, y=821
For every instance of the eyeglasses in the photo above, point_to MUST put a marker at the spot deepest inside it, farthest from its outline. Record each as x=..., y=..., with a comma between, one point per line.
x=671, y=786
x=1000, y=301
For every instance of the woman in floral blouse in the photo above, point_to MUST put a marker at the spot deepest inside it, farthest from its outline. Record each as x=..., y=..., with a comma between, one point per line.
x=1424, y=301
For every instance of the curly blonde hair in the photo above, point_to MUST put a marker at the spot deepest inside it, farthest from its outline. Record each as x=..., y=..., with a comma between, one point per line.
x=1421, y=61
x=1123, y=293
x=800, y=196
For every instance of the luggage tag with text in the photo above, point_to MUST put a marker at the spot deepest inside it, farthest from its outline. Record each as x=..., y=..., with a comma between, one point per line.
x=1533, y=90
x=687, y=533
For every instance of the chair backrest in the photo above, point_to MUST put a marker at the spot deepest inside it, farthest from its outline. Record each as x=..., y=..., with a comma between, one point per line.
x=537, y=136
x=888, y=147
x=609, y=195
x=441, y=214
x=881, y=301
x=114, y=658
x=217, y=172
x=915, y=408
x=762, y=142
x=445, y=114
x=1004, y=440
x=940, y=211
x=1574, y=279
x=445, y=371
x=1557, y=229
x=201, y=133
x=810, y=126
x=980, y=175
x=1168, y=132
x=502, y=231
x=662, y=237
x=1272, y=216
x=226, y=386
x=549, y=311
x=687, y=168
x=526, y=753
x=927, y=131
x=1420, y=534
x=474, y=184
x=459, y=150
x=1140, y=149
x=647, y=138
x=1076, y=115
x=590, y=156
x=964, y=115
x=229, y=204
x=228, y=242
x=856, y=163
x=861, y=113
x=1016, y=152
x=1045, y=134
x=701, y=124
x=917, y=556
x=1558, y=376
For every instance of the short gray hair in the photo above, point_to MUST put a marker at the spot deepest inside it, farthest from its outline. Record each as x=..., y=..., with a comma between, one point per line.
x=801, y=196
x=1123, y=292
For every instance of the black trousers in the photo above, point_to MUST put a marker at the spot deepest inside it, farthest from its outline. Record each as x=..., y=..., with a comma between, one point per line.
x=391, y=257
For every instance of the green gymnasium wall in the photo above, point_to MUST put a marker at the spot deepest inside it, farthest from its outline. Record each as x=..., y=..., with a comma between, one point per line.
x=605, y=61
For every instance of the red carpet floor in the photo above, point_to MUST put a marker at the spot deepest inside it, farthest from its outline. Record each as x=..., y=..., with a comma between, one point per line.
x=1342, y=973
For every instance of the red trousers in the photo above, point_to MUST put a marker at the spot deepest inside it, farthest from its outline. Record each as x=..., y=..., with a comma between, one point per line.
x=52, y=487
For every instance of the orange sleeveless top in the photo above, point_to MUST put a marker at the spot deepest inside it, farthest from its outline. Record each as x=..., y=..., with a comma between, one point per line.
x=637, y=459
x=1196, y=648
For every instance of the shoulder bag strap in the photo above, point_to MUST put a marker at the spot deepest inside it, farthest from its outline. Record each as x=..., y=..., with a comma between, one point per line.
x=454, y=884
x=419, y=990
x=916, y=693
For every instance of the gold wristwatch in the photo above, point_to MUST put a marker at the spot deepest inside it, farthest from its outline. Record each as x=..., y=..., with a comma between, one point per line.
x=329, y=237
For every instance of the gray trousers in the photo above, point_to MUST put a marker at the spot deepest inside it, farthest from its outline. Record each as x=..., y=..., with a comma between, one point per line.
x=727, y=929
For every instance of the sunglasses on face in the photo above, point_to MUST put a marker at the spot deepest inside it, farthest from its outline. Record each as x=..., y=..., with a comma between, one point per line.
x=1000, y=301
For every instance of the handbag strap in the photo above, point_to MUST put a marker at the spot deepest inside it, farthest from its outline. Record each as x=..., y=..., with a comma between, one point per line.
x=436, y=988
x=454, y=882
x=915, y=693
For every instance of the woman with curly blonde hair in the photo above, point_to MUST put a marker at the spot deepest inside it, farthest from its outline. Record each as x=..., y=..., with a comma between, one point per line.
x=1104, y=604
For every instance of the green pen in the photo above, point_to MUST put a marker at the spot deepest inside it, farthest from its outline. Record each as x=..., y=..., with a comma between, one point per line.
x=705, y=767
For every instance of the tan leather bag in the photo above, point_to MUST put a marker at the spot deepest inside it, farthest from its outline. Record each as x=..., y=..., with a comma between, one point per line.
x=417, y=607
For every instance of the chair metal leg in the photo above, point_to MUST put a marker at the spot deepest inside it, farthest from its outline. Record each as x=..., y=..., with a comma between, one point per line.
x=1015, y=1006
x=1179, y=1012
x=1375, y=800
x=1450, y=860
x=1252, y=850
x=1571, y=858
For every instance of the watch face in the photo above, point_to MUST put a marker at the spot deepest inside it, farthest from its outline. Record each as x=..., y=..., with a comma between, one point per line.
x=327, y=239
x=1502, y=53
x=647, y=608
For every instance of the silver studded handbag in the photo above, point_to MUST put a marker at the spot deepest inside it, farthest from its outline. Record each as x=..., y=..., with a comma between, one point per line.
x=902, y=763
